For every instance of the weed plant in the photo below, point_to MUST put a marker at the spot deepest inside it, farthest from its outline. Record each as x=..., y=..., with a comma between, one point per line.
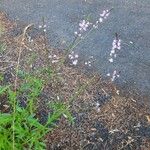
x=22, y=122
x=20, y=127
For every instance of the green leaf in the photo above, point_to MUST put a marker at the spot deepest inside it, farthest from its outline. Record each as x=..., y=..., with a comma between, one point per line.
x=22, y=74
x=68, y=115
x=12, y=96
x=1, y=77
x=5, y=118
x=19, y=109
x=34, y=122
x=3, y=89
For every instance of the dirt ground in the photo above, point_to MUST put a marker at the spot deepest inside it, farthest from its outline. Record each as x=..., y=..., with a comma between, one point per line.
x=103, y=119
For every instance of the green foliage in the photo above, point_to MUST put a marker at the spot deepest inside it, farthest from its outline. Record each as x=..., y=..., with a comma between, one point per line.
x=2, y=48
x=31, y=58
x=1, y=29
x=3, y=89
x=1, y=77
x=59, y=109
x=20, y=127
x=47, y=71
x=21, y=74
x=31, y=89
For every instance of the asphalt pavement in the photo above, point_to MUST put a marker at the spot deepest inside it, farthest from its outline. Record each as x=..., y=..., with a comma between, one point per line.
x=129, y=18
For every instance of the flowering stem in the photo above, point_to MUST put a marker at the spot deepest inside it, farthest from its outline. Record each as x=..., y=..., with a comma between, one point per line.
x=78, y=40
x=73, y=45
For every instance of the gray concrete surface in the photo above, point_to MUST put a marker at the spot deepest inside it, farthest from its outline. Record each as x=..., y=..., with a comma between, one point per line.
x=129, y=18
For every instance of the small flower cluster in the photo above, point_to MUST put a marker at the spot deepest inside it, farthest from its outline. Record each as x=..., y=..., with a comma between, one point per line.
x=102, y=17
x=43, y=27
x=74, y=58
x=116, y=45
x=54, y=58
x=90, y=61
x=114, y=75
x=84, y=25
x=104, y=14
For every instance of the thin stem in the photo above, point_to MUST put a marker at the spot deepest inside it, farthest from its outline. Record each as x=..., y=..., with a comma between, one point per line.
x=16, y=81
x=74, y=45
x=76, y=42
